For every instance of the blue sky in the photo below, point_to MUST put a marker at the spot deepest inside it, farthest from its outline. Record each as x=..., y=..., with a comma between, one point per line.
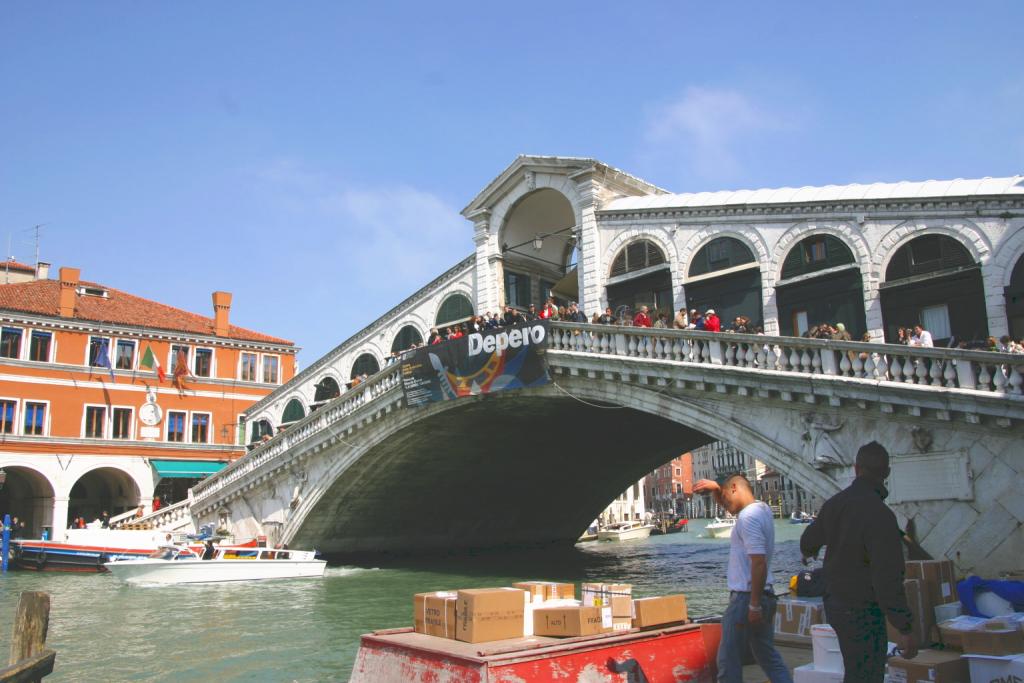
x=312, y=157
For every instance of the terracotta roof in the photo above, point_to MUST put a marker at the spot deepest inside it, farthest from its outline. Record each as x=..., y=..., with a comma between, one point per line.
x=11, y=264
x=42, y=297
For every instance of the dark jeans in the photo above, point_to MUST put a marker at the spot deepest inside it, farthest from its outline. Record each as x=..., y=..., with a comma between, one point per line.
x=737, y=633
x=862, y=639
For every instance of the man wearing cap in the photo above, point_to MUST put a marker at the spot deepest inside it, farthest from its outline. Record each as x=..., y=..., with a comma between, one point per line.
x=711, y=321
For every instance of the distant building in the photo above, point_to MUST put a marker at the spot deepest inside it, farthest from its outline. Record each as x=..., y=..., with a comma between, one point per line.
x=87, y=426
x=670, y=487
x=784, y=496
x=12, y=272
x=628, y=506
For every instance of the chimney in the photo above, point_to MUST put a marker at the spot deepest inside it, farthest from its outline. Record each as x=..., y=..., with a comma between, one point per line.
x=68, y=284
x=221, y=309
x=42, y=270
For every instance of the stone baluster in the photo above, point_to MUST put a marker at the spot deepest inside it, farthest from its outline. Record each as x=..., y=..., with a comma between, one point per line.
x=984, y=378
x=999, y=378
x=921, y=371
x=895, y=368
x=730, y=354
x=908, y=370
x=1016, y=379
x=750, y=356
x=632, y=345
x=935, y=372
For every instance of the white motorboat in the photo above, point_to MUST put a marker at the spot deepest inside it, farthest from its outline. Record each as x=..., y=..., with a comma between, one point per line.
x=180, y=564
x=720, y=528
x=625, y=531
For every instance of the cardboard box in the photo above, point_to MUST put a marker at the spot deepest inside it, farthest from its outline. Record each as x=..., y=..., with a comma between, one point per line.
x=808, y=674
x=933, y=666
x=994, y=639
x=485, y=614
x=561, y=622
x=939, y=578
x=922, y=615
x=986, y=669
x=1013, y=620
x=621, y=623
x=434, y=613
x=619, y=596
x=950, y=610
x=951, y=631
x=665, y=609
x=547, y=590
x=794, y=618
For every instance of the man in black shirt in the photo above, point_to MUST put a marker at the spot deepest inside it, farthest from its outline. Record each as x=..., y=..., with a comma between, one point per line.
x=863, y=568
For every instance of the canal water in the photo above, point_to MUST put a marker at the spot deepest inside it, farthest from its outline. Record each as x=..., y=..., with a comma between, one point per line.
x=308, y=630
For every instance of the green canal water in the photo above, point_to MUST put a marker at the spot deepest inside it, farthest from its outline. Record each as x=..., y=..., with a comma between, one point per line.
x=308, y=630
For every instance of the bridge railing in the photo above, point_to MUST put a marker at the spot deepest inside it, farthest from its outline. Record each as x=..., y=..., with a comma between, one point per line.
x=950, y=368
x=339, y=408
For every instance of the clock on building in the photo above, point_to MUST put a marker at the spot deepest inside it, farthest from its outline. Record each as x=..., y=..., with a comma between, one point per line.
x=150, y=413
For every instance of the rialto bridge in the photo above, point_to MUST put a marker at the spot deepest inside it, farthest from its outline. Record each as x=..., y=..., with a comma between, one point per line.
x=350, y=469
x=365, y=473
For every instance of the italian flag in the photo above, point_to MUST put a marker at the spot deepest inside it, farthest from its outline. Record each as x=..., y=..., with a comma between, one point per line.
x=150, y=362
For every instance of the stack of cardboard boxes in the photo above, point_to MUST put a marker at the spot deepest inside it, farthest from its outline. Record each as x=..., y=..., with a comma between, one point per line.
x=794, y=618
x=541, y=608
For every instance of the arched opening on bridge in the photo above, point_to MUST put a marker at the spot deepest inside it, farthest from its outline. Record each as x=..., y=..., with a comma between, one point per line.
x=105, y=489
x=325, y=390
x=1015, y=301
x=933, y=281
x=725, y=276
x=406, y=338
x=27, y=495
x=820, y=283
x=640, y=276
x=366, y=365
x=261, y=428
x=455, y=308
x=293, y=412
x=538, y=247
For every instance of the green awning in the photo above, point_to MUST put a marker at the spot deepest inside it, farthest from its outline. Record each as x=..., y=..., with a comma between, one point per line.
x=186, y=469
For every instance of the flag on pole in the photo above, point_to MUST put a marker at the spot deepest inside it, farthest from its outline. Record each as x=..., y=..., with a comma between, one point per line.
x=150, y=362
x=180, y=371
x=103, y=358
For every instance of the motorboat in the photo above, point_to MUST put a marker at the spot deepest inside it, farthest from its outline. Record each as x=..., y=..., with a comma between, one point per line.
x=625, y=531
x=721, y=527
x=800, y=518
x=217, y=564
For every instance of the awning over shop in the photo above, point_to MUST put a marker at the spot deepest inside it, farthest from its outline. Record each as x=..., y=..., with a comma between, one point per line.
x=186, y=469
x=568, y=287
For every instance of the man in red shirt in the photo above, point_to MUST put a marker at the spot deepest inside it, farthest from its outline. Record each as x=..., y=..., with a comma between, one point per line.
x=711, y=321
x=642, y=319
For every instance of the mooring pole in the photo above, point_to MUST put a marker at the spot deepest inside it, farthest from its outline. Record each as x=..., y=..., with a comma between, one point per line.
x=5, y=547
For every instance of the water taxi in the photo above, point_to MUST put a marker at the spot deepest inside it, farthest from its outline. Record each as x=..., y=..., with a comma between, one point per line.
x=183, y=564
x=720, y=528
x=625, y=531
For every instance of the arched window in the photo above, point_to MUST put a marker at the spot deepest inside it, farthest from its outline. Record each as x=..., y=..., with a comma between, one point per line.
x=293, y=412
x=455, y=307
x=326, y=389
x=719, y=254
x=927, y=254
x=366, y=364
x=406, y=338
x=261, y=428
x=637, y=256
x=814, y=253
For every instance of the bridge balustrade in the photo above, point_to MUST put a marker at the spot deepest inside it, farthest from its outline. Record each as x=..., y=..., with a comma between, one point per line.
x=949, y=368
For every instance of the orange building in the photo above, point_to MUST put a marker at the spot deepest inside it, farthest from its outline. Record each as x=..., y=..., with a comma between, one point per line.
x=87, y=425
x=671, y=486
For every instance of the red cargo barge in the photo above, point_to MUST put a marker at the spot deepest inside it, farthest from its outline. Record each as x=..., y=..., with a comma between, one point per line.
x=666, y=655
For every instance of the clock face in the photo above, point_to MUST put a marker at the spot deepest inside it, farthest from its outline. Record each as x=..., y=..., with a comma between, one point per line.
x=150, y=414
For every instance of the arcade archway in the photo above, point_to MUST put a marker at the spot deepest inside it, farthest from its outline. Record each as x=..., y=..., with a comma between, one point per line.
x=28, y=496
x=538, y=246
x=105, y=489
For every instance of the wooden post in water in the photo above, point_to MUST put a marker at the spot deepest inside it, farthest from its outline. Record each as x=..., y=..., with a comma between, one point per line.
x=30, y=660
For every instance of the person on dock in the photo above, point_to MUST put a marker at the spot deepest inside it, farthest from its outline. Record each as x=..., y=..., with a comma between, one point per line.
x=750, y=616
x=863, y=568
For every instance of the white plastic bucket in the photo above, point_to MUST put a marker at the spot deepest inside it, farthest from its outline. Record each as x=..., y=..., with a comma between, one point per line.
x=825, y=644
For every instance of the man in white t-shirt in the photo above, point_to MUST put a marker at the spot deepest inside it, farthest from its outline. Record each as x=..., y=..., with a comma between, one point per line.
x=922, y=337
x=751, y=612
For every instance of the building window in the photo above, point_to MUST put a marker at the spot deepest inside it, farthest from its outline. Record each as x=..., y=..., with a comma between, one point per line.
x=815, y=251
x=200, y=427
x=175, y=426
x=96, y=345
x=7, y=408
x=125, y=356
x=178, y=351
x=637, y=256
x=35, y=418
x=455, y=307
x=270, y=369
x=203, y=363
x=39, y=346
x=517, y=289
x=122, y=419
x=95, y=421
x=10, y=342
x=248, y=369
